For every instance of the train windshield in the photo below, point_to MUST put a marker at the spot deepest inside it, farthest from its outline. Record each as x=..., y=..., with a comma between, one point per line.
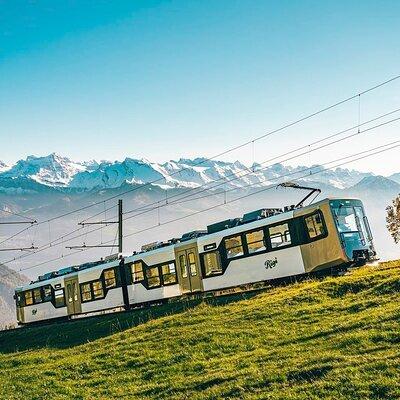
x=352, y=224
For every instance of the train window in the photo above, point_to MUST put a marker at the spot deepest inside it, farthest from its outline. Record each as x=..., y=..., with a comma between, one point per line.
x=137, y=271
x=315, y=225
x=234, y=246
x=86, y=292
x=28, y=298
x=59, y=298
x=109, y=279
x=279, y=235
x=182, y=265
x=98, y=291
x=153, y=276
x=192, y=264
x=37, y=295
x=212, y=263
x=255, y=241
x=47, y=295
x=346, y=219
x=168, y=273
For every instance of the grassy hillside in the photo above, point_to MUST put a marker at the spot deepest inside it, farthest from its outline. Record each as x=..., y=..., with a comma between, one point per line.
x=337, y=338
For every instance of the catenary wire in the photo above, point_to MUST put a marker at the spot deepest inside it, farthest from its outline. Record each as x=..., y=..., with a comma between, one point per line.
x=375, y=150
x=272, y=132
x=251, y=171
x=18, y=215
x=224, y=152
x=52, y=243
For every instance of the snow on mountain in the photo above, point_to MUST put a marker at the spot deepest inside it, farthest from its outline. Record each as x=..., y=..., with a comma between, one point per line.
x=55, y=171
x=52, y=170
x=113, y=175
x=340, y=178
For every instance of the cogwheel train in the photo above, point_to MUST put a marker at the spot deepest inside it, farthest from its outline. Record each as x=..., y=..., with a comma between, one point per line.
x=261, y=246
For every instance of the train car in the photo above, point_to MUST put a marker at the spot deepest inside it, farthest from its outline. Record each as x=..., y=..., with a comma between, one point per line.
x=261, y=246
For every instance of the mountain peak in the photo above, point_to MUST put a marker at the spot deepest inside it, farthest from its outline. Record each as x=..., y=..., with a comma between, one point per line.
x=52, y=170
x=377, y=182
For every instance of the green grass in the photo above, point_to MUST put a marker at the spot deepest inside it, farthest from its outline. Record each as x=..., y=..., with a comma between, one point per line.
x=337, y=338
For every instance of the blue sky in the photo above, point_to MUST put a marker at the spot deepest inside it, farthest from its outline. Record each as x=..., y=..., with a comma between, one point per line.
x=170, y=79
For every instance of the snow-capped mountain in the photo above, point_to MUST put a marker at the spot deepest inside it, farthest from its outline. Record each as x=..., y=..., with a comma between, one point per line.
x=44, y=187
x=55, y=171
x=52, y=170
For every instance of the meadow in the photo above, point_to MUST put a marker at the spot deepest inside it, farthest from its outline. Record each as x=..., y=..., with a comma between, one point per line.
x=332, y=338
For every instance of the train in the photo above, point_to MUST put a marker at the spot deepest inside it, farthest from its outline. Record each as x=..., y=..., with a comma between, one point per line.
x=261, y=246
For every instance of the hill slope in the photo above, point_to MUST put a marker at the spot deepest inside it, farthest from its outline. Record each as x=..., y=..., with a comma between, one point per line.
x=338, y=338
x=9, y=280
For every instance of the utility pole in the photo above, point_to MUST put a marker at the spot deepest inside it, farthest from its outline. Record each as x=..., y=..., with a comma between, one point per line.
x=120, y=231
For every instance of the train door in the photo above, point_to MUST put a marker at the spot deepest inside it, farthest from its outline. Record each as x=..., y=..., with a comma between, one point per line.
x=189, y=272
x=72, y=296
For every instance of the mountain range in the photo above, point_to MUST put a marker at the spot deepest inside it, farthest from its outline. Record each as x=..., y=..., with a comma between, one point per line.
x=55, y=172
x=44, y=187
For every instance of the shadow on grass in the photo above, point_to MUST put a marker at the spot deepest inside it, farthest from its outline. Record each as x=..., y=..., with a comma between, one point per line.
x=64, y=334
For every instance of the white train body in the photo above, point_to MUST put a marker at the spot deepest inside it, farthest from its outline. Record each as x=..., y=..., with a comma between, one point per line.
x=327, y=234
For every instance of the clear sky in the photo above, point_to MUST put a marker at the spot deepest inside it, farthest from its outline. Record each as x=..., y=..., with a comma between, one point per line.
x=169, y=79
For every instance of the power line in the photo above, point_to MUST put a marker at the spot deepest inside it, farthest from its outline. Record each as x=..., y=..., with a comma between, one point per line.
x=97, y=214
x=51, y=244
x=376, y=150
x=229, y=150
x=54, y=243
x=257, y=192
x=281, y=176
x=18, y=215
x=15, y=234
x=59, y=240
x=221, y=154
x=28, y=221
x=251, y=171
x=302, y=119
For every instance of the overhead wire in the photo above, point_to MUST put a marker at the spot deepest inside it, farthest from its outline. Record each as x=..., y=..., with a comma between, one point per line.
x=55, y=242
x=375, y=150
x=216, y=156
x=15, y=234
x=251, y=172
x=231, y=149
x=18, y=215
x=252, y=142
x=262, y=190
